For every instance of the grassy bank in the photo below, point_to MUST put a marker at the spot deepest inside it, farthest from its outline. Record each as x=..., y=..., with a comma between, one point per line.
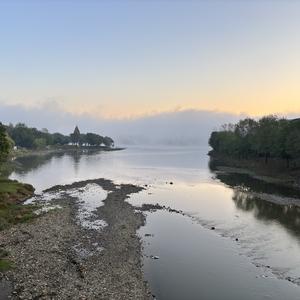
x=12, y=194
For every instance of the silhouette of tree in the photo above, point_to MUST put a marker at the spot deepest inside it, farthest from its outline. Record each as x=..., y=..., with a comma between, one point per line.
x=75, y=136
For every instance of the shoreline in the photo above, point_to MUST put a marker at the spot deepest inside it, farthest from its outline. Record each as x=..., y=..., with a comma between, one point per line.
x=255, y=168
x=60, y=260
x=70, y=149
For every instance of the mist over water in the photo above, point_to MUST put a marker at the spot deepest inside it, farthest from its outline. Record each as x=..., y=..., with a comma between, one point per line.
x=177, y=128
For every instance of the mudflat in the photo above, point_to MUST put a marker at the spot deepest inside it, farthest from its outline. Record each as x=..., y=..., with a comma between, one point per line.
x=54, y=257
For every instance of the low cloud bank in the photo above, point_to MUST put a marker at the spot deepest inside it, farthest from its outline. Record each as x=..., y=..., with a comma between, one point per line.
x=180, y=128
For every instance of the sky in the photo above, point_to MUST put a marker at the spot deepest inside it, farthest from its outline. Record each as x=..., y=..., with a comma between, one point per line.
x=123, y=61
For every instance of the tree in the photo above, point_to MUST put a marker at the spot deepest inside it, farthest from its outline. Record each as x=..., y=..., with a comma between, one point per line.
x=214, y=141
x=108, y=142
x=267, y=136
x=91, y=139
x=292, y=145
x=5, y=144
x=60, y=139
x=94, y=139
x=245, y=130
x=40, y=143
x=75, y=136
x=22, y=136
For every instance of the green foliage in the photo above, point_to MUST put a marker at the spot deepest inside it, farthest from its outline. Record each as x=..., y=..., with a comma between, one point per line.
x=5, y=143
x=60, y=139
x=40, y=143
x=94, y=139
x=108, y=142
x=22, y=135
x=32, y=138
x=5, y=265
x=292, y=143
x=267, y=137
x=11, y=210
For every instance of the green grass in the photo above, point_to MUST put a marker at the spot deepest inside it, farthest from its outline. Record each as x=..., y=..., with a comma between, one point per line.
x=12, y=193
x=5, y=264
x=10, y=187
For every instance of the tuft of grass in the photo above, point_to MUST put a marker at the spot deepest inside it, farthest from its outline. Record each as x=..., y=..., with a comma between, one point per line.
x=5, y=264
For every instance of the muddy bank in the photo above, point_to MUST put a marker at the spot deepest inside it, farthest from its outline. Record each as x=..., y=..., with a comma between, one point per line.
x=55, y=257
x=274, y=172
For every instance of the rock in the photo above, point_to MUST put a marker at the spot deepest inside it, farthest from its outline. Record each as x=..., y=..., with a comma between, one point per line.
x=154, y=257
x=213, y=228
x=237, y=239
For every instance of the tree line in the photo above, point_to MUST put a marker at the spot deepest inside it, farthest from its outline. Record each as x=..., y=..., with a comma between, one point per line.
x=23, y=136
x=268, y=137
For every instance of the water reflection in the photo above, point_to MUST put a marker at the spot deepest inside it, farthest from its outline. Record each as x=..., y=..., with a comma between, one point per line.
x=286, y=215
x=30, y=163
x=76, y=158
x=246, y=191
x=134, y=165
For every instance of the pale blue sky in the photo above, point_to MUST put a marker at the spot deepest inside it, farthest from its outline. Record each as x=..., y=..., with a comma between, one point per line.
x=128, y=58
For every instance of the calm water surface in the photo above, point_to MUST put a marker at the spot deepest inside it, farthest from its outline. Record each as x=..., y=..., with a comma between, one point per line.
x=254, y=252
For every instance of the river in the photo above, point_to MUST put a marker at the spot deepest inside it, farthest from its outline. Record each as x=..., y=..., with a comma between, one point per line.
x=253, y=251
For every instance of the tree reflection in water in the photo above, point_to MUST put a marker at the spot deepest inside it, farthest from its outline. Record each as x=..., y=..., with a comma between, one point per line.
x=287, y=215
x=30, y=163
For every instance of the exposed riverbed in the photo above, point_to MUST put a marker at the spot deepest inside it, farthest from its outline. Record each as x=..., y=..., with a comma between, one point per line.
x=252, y=253
x=83, y=249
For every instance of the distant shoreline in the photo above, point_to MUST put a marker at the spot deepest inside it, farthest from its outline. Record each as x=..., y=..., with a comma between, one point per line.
x=63, y=149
